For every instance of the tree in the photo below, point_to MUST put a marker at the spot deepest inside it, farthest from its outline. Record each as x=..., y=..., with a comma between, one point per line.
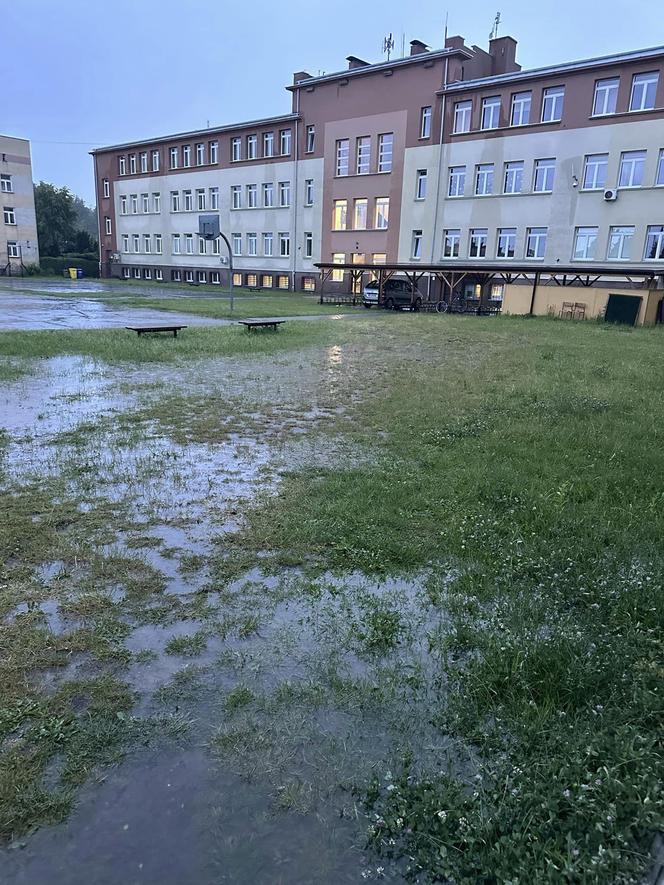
x=86, y=219
x=56, y=218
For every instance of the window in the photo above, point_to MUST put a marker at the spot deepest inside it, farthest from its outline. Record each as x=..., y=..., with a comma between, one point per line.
x=338, y=275
x=267, y=281
x=189, y=276
x=108, y=226
x=416, y=247
x=363, y=155
x=123, y=204
x=513, y=183
x=132, y=164
x=309, y=284
x=200, y=199
x=155, y=161
x=213, y=149
x=506, y=245
x=137, y=242
x=268, y=245
x=13, y=250
x=147, y=273
x=137, y=273
x=157, y=244
x=545, y=171
x=343, y=148
x=535, y=242
x=425, y=122
x=200, y=154
x=631, y=168
x=659, y=177
x=478, y=241
x=174, y=157
x=308, y=244
x=360, y=214
x=145, y=203
x=125, y=242
x=484, y=179
x=134, y=204
x=311, y=139
x=252, y=244
x=216, y=246
x=252, y=196
x=620, y=243
x=654, y=242
x=594, y=171
x=186, y=155
x=308, y=192
x=236, y=149
x=282, y=281
x=147, y=243
x=606, y=96
x=491, y=112
x=144, y=161
x=122, y=165
x=156, y=203
x=236, y=196
x=237, y=244
x=6, y=185
x=451, y=242
x=176, y=276
x=421, y=184
x=214, y=198
x=284, y=193
x=285, y=142
x=215, y=277
x=176, y=244
x=268, y=144
x=457, y=181
x=237, y=279
x=268, y=195
x=339, y=214
x=644, y=91
x=201, y=276
x=158, y=274
x=520, y=112
x=382, y=217
x=585, y=243
x=552, y=104
x=462, y=113
x=189, y=244
x=252, y=147
x=188, y=200
x=385, y=144
x=284, y=245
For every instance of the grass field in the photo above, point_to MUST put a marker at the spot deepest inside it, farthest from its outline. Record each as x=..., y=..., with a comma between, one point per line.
x=426, y=582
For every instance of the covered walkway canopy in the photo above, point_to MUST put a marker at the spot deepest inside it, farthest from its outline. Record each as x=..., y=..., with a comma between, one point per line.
x=451, y=273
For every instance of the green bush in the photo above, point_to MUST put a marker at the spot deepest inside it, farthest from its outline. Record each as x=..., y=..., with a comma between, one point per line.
x=57, y=266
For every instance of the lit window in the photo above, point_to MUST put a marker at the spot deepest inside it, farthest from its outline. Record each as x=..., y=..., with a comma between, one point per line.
x=416, y=248
x=339, y=214
x=536, y=242
x=385, y=144
x=267, y=281
x=506, y=244
x=484, y=179
x=421, y=184
x=585, y=243
x=268, y=195
x=283, y=282
x=513, y=182
x=360, y=214
x=632, y=164
x=451, y=242
x=236, y=149
x=545, y=172
x=363, y=155
x=309, y=284
x=284, y=193
x=520, y=113
x=457, y=183
x=237, y=279
x=552, y=104
x=338, y=275
x=284, y=245
x=606, y=96
x=268, y=144
x=654, y=242
x=252, y=147
x=644, y=91
x=342, y=153
x=462, y=113
x=382, y=216
x=285, y=142
x=478, y=241
x=268, y=245
x=308, y=244
x=491, y=112
x=200, y=154
x=425, y=122
x=594, y=171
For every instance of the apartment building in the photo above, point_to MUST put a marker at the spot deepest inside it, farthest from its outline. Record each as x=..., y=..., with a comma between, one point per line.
x=449, y=155
x=18, y=231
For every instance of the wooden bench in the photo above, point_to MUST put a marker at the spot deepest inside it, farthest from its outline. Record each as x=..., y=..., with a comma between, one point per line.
x=261, y=324
x=143, y=330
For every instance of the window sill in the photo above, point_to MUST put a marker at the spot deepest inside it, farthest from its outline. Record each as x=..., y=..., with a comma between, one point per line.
x=626, y=113
x=520, y=126
x=364, y=174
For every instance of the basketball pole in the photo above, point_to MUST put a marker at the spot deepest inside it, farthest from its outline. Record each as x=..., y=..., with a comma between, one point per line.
x=230, y=265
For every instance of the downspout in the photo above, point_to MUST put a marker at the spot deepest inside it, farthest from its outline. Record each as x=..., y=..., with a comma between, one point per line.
x=440, y=166
x=99, y=246
x=296, y=155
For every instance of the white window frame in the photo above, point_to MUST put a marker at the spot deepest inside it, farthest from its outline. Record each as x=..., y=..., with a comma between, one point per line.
x=122, y=165
x=385, y=151
x=538, y=235
x=188, y=200
x=268, y=144
x=173, y=157
x=13, y=250
x=108, y=225
x=382, y=213
x=641, y=84
x=363, y=155
x=106, y=186
x=236, y=240
x=268, y=195
x=553, y=104
x=252, y=147
x=342, y=155
x=337, y=276
x=200, y=199
x=416, y=245
x=158, y=244
x=188, y=244
x=478, y=241
x=252, y=196
x=425, y=121
x=285, y=142
x=145, y=203
x=213, y=195
x=463, y=114
x=632, y=169
x=506, y=240
x=340, y=214
x=132, y=164
x=144, y=161
x=605, y=96
x=284, y=245
x=595, y=167
x=252, y=244
x=484, y=179
x=136, y=242
x=456, y=186
x=544, y=175
x=156, y=161
x=186, y=156
x=200, y=153
x=176, y=244
x=585, y=243
x=236, y=196
x=147, y=243
x=156, y=203
x=308, y=191
x=123, y=204
x=421, y=184
x=659, y=174
x=125, y=243
x=491, y=112
x=654, y=235
x=308, y=244
x=451, y=242
x=360, y=213
x=268, y=245
x=134, y=204
x=284, y=194
x=513, y=177
x=236, y=149
x=520, y=108
x=213, y=152
x=311, y=140
x=620, y=243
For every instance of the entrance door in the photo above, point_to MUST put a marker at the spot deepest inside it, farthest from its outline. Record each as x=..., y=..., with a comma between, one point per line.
x=622, y=309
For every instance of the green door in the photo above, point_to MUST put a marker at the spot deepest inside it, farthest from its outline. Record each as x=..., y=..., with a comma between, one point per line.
x=622, y=309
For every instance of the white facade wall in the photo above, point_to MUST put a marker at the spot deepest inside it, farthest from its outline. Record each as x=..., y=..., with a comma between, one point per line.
x=15, y=162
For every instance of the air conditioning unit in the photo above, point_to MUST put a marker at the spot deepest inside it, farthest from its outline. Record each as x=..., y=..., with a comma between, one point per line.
x=610, y=194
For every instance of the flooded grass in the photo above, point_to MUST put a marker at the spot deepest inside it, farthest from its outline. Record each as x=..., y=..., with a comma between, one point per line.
x=380, y=601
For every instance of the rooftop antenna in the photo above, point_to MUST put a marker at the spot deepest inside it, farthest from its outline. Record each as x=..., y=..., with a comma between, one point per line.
x=447, y=15
x=388, y=45
x=494, y=32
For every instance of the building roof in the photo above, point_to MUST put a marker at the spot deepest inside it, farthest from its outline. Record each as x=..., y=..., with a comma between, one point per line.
x=567, y=67
x=506, y=267
x=213, y=130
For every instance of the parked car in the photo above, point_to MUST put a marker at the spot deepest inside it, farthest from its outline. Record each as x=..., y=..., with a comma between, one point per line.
x=397, y=294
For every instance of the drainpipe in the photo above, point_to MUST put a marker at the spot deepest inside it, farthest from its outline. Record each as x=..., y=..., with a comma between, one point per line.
x=99, y=245
x=440, y=166
x=534, y=292
x=296, y=156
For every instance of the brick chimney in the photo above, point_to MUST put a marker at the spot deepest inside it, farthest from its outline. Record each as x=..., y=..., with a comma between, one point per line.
x=355, y=62
x=417, y=47
x=503, y=55
x=299, y=76
x=456, y=42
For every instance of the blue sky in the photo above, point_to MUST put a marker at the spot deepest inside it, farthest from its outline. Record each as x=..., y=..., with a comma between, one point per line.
x=84, y=73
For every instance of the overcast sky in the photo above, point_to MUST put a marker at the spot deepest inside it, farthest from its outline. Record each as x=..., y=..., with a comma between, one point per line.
x=78, y=74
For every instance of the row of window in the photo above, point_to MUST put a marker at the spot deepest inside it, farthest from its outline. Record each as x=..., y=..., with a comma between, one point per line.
x=192, y=244
x=619, y=244
x=364, y=162
x=631, y=174
x=268, y=145
x=358, y=258
x=360, y=219
x=250, y=280
x=150, y=161
x=605, y=101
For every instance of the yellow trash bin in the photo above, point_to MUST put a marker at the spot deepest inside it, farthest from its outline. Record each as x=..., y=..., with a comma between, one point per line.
x=72, y=273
